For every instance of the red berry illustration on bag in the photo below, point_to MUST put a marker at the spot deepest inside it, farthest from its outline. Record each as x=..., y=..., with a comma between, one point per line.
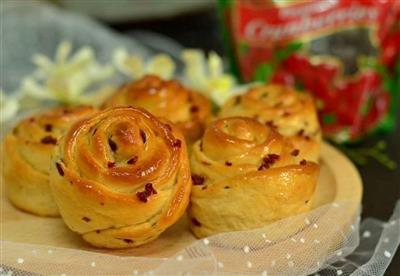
x=345, y=53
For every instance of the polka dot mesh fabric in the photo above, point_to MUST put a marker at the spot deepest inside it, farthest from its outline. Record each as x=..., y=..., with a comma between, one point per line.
x=310, y=243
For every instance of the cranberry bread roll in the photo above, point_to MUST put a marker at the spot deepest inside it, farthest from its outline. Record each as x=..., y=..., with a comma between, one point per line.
x=292, y=113
x=187, y=109
x=27, y=151
x=121, y=177
x=246, y=175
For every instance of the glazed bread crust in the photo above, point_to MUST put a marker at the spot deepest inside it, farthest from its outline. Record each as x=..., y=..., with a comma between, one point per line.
x=26, y=156
x=187, y=109
x=246, y=175
x=121, y=177
x=293, y=114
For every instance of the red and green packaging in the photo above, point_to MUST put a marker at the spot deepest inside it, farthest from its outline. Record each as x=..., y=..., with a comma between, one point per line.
x=344, y=52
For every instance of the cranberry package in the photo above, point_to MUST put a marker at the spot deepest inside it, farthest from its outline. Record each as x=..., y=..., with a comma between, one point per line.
x=345, y=53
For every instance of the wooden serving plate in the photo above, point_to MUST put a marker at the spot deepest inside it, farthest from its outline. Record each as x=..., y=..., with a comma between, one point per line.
x=339, y=181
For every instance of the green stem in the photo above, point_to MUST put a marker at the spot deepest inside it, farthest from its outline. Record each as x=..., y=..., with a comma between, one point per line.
x=361, y=155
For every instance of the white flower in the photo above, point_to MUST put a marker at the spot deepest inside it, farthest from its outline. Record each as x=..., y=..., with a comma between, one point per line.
x=136, y=67
x=207, y=75
x=8, y=106
x=66, y=79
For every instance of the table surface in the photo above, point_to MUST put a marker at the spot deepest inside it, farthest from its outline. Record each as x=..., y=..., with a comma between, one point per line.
x=381, y=186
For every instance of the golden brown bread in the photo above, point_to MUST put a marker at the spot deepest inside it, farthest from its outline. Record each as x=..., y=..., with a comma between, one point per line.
x=292, y=113
x=246, y=175
x=27, y=153
x=187, y=109
x=121, y=177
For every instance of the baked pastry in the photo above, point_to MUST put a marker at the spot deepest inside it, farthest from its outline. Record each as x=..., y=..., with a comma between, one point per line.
x=27, y=151
x=291, y=113
x=187, y=109
x=246, y=175
x=121, y=177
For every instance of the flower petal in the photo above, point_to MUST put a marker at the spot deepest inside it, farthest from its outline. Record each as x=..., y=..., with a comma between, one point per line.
x=215, y=65
x=63, y=51
x=195, y=68
x=8, y=107
x=161, y=65
x=43, y=62
x=119, y=58
x=32, y=88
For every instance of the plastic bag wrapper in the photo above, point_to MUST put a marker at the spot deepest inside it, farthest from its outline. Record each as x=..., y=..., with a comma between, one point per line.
x=345, y=53
x=298, y=245
x=31, y=27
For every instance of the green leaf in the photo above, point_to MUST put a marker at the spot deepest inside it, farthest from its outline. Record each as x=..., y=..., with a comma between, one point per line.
x=329, y=119
x=263, y=72
x=224, y=3
x=366, y=107
x=243, y=48
x=284, y=53
x=298, y=85
x=391, y=83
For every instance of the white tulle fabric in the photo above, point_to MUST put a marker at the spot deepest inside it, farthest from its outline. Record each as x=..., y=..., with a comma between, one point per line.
x=320, y=245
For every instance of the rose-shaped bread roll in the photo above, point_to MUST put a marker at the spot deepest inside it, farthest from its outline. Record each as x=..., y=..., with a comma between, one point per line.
x=27, y=153
x=187, y=109
x=121, y=177
x=246, y=175
x=292, y=113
